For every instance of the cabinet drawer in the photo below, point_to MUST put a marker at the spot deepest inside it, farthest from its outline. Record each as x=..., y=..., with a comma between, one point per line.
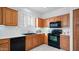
x=4, y=41
x=4, y=47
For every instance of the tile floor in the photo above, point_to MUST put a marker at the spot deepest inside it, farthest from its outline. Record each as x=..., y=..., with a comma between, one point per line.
x=46, y=48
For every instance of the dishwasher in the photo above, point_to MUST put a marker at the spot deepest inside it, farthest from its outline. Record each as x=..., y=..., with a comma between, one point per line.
x=17, y=44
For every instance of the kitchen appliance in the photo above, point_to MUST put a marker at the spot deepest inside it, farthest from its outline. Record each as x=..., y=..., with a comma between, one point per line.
x=54, y=38
x=17, y=44
x=55, y=24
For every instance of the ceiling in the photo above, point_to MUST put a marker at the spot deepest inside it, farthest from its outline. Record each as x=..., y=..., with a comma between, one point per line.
x=43, y=10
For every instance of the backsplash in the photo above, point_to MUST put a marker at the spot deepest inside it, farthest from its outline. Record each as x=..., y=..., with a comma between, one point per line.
x=10, y=29
x=15, y=29
x=65, y=31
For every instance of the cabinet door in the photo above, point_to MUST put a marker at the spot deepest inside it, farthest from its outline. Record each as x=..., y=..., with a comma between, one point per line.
x=35, y=41
x=40, y=22
x=52, y=19
x=1, y=16
x=41, y=38
x=46, y=39
x=65, y=20
x=64, y=43
x=4, y=44
x=58, y=18
x=76, y=29
x=46, y=23
x=29, y=43
x=4, y=47
x=9, y=17
x=14, y=16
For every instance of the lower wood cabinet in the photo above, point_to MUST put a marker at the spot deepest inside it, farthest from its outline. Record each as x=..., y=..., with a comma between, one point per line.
x=29, y=42
x=4, y=45
x=46, y=39
x=64, y=42
x=34, y=41
x=40, y=37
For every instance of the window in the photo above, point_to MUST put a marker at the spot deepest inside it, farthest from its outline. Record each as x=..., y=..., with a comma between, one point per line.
x=29, y=21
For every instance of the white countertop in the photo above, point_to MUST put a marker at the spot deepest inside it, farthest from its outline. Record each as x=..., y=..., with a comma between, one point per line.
x=5, y=36
x=12, y=35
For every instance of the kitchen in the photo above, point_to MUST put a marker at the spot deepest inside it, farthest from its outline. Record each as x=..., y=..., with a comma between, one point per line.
x=31, y=28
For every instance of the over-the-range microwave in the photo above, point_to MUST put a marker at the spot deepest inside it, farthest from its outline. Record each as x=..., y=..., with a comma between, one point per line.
x=55, y=24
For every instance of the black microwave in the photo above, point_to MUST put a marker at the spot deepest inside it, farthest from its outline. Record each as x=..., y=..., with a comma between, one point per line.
x=55, y=24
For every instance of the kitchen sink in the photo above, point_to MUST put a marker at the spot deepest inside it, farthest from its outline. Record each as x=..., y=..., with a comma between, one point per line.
x=28, y=33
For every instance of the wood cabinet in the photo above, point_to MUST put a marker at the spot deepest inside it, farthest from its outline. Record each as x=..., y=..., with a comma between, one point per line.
x=76, y=29
x=1, y=16
x=40, y=22
x=29, y=42
x=65, y=20
x=4, y=45
x=52, y=19
x=64, y=42
x=46, y=39
x=8, y=16
x=57, y=18
x=46, y=23
x=34, y=41
x=41, y=38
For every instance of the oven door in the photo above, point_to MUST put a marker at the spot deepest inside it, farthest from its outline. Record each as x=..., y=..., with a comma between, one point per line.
x=54, y=40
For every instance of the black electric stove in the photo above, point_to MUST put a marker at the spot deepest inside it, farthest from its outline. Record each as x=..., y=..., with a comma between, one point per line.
x=54, y=38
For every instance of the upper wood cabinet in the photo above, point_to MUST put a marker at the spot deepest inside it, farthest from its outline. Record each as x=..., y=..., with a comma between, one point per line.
x=9, y=17
x=46, y=23
x=1, y=16
x=40, y=22
x=57, y=18
x=65, y=20
x=52, y=19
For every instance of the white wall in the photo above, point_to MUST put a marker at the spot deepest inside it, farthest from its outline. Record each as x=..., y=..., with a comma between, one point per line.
x=58, y=12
